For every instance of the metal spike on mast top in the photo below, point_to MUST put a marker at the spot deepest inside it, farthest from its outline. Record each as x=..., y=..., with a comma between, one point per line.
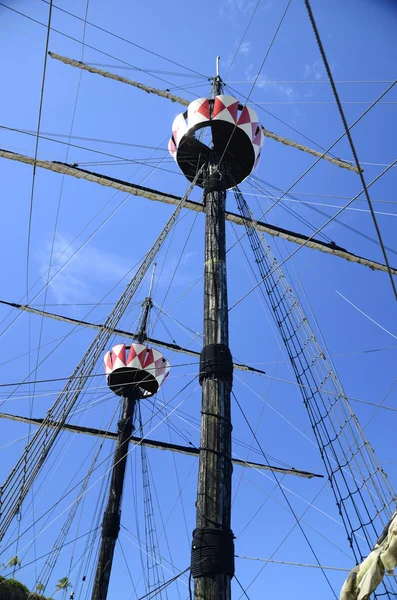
x=147, y=305
x=217, y=87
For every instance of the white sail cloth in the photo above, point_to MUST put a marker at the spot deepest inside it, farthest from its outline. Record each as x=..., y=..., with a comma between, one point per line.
x=365, y=578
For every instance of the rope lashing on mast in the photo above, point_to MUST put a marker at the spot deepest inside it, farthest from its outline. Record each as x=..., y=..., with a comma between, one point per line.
x=363, y=494
x=212, y=552
x=365, y=577
x=24, y=473
x=155, y=195
x=165, y=94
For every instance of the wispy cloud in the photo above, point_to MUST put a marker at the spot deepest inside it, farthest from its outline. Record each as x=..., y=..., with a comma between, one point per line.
x=93, y=269
x=284, y=92
x=232, y=10
x=85, y=271
x=226, y=62
x=245, y=47
x=317, y=70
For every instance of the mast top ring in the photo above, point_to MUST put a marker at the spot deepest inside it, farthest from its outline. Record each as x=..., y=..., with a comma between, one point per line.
x=223, y=127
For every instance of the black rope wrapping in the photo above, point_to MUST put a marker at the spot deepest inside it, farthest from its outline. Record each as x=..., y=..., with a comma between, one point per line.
x=216, y=361
x=111, y=526
x=212, y=552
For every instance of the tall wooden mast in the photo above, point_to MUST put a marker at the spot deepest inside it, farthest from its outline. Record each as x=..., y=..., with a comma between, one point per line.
x=230, y=156
x=213, y=547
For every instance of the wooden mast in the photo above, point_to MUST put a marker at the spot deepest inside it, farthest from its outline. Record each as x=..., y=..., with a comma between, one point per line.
x=213, y=548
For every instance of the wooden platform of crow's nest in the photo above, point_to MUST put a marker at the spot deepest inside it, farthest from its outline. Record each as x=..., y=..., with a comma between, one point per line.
x=11, y=589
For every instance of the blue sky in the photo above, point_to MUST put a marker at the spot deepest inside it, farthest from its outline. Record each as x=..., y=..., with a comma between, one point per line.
x=354, y=307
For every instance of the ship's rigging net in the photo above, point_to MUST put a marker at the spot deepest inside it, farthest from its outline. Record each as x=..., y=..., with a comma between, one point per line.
x=363, y=494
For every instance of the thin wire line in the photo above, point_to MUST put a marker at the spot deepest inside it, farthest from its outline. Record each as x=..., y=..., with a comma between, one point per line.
x=285, y=496
x=309, y=204
x=104, y=474
x=79, y=41
x=98, y=140
x=79, y=147
x=244, y=591
x=349, y=136
x=82, y=245
x=37, y=143
x=32, y=190
x=310, y=237
x=242, y=39
x=267, y=82
x=126, y=40
x=319, y=102
x=293, y=564
x=257, y=76
x=325, y=214
x=328, y=392
x=326, y=152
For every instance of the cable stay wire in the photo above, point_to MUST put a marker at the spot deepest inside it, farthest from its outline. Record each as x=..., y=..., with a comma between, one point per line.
x=91, y=139
x=127, y=567
x=333, y=196
x=256, y=186
x=159, y=71
x=349, y=137
x=306, y=81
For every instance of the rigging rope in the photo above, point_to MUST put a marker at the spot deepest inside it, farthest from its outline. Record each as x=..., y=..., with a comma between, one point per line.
x=59, y=543
x=250, y=223
x=155, y=579
x=298, y=523
x=349, y=137
x=12, y=493
x=109, y=75
x=363, y=494
x=126, y=40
